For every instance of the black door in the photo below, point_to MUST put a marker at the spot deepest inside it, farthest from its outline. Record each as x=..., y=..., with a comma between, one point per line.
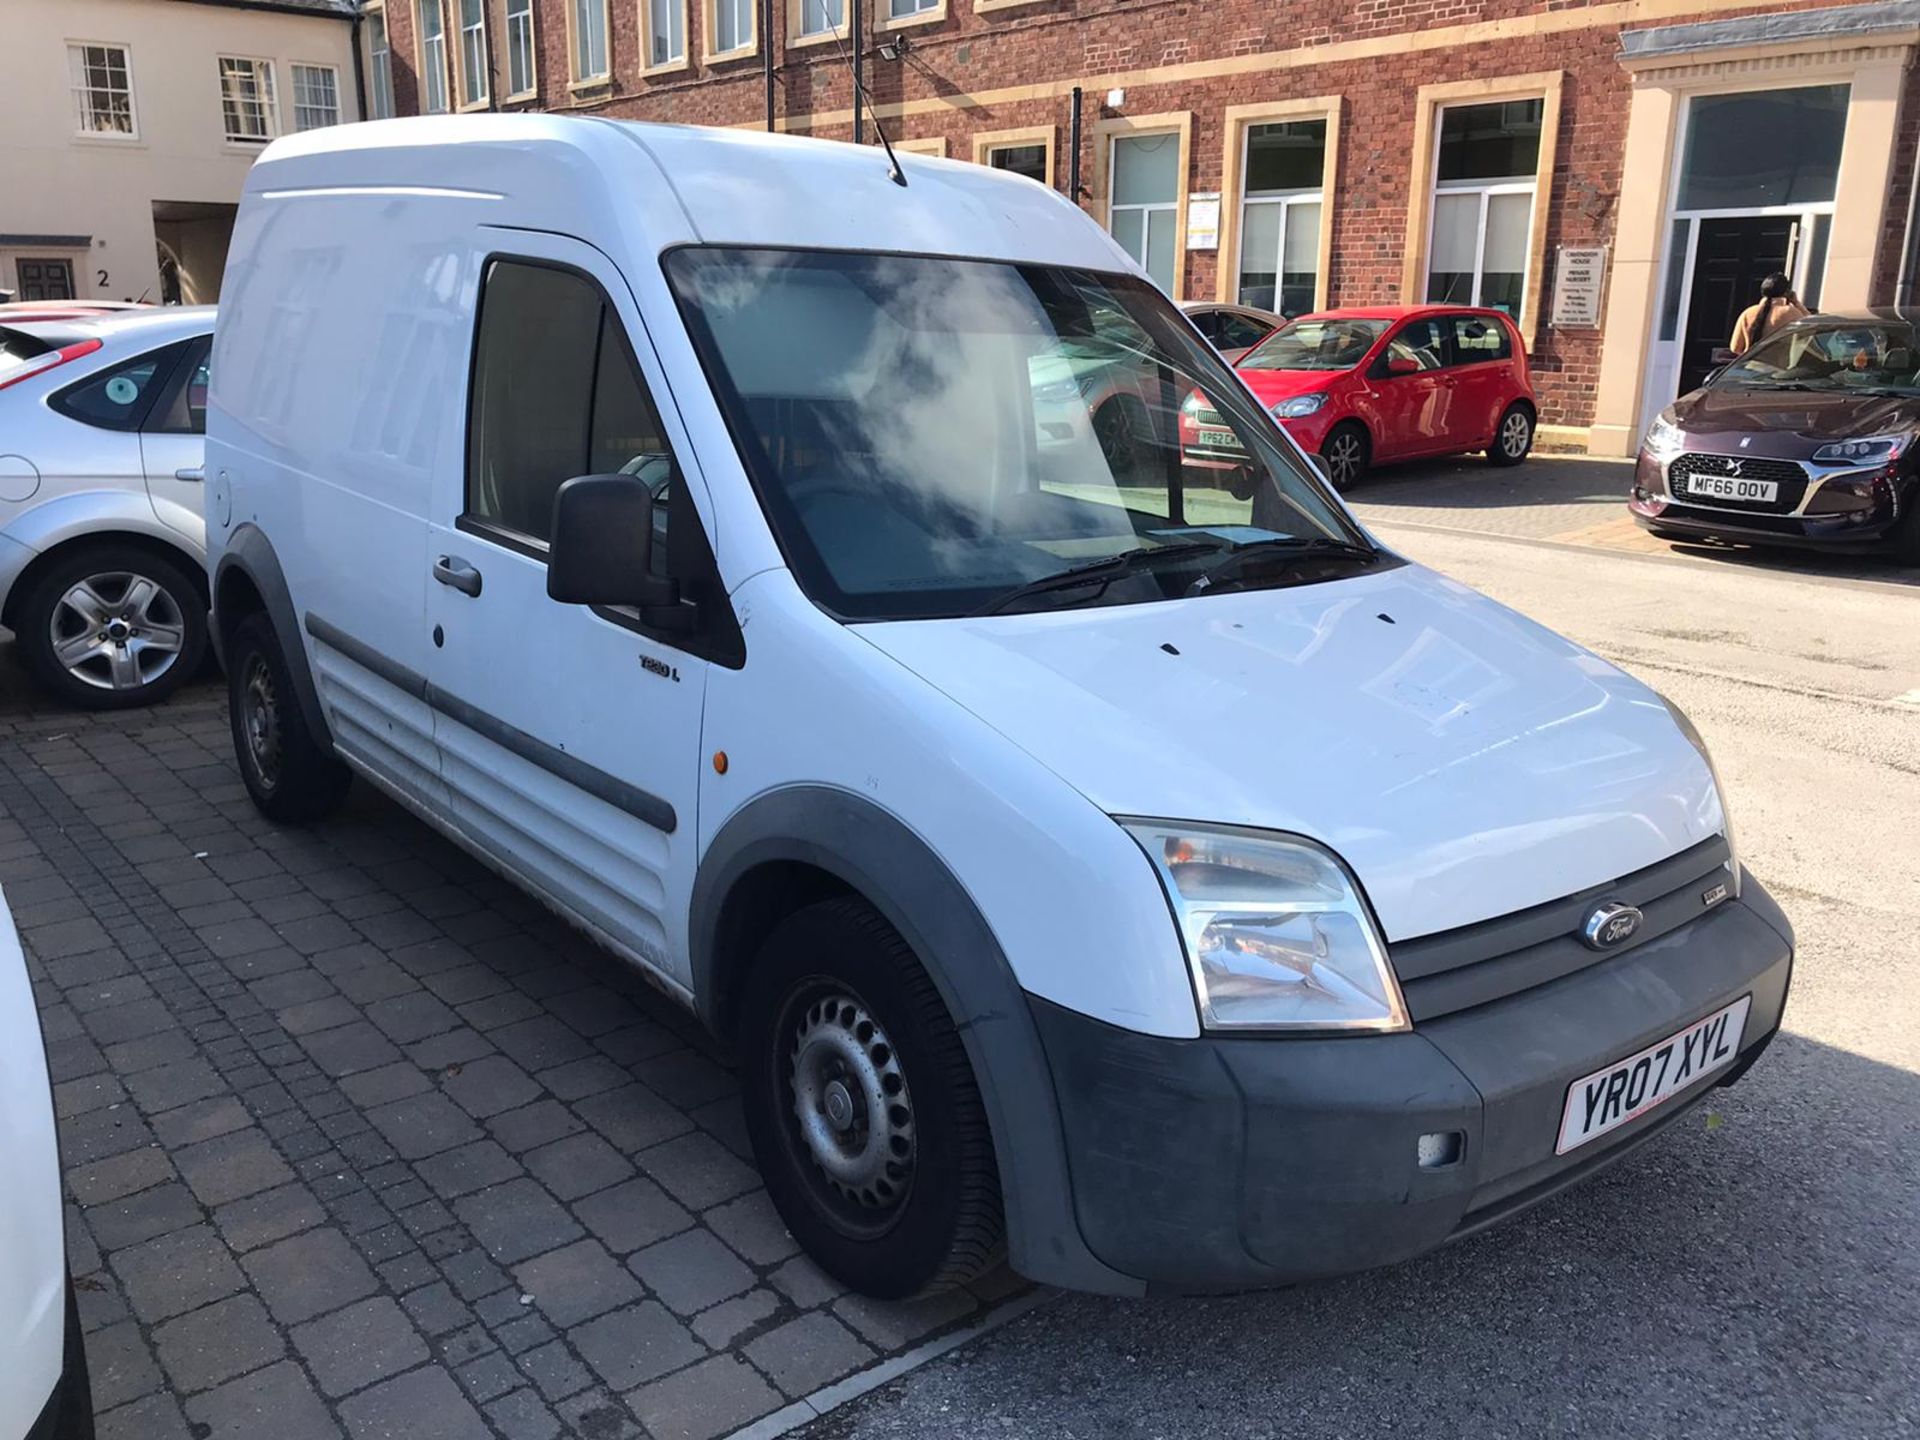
x=1732, y=258
x=45, y=279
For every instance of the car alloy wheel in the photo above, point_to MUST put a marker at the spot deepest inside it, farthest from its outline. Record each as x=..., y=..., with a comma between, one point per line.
x=1516, y=434
x=852, y=1111
x=1346, y=457
x=117, y=630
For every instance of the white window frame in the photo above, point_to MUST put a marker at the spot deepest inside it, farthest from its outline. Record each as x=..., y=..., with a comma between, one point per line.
x=587, y=22
x=436, y=77
x=380, y=63
x=82, y=91
x=1167, y=211
x=799, y=34
x=749, y=10
x=1286, y=200
x=521, y=41
x=897, y=14
x=473, y=56
x=295, y=69
x=652, y=11
x=1487, y=189
x=267, y=98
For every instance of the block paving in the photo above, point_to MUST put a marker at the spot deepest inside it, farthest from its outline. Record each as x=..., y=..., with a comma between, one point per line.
x=361, y=1142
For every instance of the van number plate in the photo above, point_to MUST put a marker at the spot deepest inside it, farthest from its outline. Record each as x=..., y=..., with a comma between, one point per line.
x=1726, y=487
x=1627, y=1089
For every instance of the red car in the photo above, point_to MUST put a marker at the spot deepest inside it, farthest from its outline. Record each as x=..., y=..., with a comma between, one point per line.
x=1370, y=385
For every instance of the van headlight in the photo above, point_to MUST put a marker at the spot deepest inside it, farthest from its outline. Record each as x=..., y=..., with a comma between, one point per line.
x=1720, y=792
x=1276, y=933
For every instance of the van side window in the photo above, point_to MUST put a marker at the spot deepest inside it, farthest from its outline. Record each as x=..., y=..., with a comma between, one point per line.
x=556, y=393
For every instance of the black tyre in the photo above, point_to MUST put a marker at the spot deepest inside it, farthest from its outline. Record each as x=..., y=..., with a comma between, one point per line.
x=1118, y=426
x=1906, y=535
x=75, y=1417
x=111, y=626
x=862, y=1107
x=290, y=775
x=1513, y=438
x=1348, y=452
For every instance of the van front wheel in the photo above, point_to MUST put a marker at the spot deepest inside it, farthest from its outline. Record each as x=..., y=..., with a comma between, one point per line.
x=290, y=776
x=862, y=1107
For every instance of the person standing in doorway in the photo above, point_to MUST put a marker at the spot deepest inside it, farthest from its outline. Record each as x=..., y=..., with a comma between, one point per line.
x=1777, y=306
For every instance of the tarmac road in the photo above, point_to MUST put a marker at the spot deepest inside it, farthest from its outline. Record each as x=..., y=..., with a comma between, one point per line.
x=1755, y=1271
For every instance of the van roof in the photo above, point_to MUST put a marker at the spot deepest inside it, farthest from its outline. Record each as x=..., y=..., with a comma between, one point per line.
x=586, y=175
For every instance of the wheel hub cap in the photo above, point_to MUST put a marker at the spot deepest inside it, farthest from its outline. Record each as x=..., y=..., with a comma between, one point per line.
x=116, y=631
x=851, y=1102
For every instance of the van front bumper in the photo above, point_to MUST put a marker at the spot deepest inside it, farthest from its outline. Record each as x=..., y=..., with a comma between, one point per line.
x=1230, y=1163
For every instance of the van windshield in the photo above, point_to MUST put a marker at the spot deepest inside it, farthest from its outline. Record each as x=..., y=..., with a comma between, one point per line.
x=935, y=437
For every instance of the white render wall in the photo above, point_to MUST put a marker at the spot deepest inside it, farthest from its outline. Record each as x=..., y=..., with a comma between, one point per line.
x=55, y=182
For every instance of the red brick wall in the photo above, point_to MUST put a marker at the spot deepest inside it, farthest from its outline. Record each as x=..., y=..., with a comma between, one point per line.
x=1061, y=41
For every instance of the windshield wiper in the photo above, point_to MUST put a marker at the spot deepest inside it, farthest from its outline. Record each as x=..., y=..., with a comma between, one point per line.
x=1290, y=547
x=1102, y=572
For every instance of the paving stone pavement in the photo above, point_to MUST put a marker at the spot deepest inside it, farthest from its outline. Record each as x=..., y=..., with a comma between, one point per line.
x=361, y=1142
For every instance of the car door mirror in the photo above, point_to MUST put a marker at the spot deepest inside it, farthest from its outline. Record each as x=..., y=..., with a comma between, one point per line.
x=602, y=547
x=1722, y=356
x=1402, y=365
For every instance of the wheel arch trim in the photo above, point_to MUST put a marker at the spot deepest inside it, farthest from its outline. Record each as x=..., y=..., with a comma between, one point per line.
x=875, y=854
x=249, y=555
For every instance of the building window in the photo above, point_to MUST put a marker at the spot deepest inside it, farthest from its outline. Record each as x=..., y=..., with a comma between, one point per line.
x=1018, y=152
x=380, y=64
x=822, y=17
x=909, y=9
x=316, y=96
x=588, y=20
x=431, y=27
x=666, y=33
x=248, y=104
x=473, y=52
x=520, y=62
x=102, y=78
x=1283, y=173
x=1144, y=213
x=733, y=25
x=1482, y=228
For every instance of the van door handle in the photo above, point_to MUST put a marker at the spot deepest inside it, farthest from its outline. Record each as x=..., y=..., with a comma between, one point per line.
x=195, y=473
x=452, y=570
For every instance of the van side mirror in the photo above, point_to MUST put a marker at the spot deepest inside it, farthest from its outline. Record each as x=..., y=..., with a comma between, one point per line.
x=602, y=546
x=1320, y=463
x=1402, y=365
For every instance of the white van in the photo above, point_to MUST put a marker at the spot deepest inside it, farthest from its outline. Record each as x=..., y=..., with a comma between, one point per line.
x=1128, y=862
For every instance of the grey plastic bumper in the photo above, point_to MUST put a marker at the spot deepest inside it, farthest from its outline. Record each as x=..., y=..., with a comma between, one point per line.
x=1231, y=1163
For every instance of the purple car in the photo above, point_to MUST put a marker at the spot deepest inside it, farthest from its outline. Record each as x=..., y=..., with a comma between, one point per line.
x=1807, y=439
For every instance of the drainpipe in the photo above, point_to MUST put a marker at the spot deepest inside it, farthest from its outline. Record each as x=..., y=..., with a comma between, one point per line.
x=766, y=56
x=855, y=19
x=1073, y=148
x=359, y=68
x=1909, y=261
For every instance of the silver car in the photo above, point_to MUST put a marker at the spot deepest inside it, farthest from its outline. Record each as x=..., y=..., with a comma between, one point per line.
x=102, y=545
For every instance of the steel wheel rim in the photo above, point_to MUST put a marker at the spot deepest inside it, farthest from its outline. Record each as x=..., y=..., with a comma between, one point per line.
x=1343, y=459
x=853, y=1125
x=117, y=630
x=1515, y=434
x=260, y=720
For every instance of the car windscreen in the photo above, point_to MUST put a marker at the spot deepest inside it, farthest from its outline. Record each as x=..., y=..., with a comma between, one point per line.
x=933, y=436
x=1314, y=344
x=1865, y=356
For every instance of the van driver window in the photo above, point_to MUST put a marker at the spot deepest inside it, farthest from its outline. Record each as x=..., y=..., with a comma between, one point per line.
x=555, y=394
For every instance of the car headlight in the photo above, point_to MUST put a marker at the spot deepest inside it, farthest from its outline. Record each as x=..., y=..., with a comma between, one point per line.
x=1298, y=406
x=1664, y=437
x=1861, y=452
x=1276, y=933
x=1720, y=791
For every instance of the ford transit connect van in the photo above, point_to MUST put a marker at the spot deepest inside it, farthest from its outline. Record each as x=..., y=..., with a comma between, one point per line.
x=1136, y=867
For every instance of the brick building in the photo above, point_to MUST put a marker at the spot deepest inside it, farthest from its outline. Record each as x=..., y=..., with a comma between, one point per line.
x=1359, y=151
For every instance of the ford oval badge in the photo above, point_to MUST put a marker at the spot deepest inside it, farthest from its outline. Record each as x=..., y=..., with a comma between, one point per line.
x=1611, y=924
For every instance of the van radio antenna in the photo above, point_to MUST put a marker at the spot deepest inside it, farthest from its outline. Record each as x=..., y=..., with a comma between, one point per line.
x=862, y=100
